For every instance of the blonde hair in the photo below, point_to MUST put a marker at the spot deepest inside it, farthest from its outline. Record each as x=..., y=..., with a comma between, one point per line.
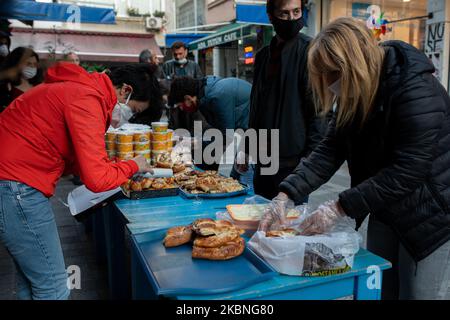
x=348, y=48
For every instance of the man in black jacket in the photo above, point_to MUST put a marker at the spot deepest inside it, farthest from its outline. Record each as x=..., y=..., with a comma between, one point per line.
x=280, y=96
x=180, y=66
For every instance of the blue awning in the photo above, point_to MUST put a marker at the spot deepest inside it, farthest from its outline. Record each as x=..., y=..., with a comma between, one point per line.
x=31, y=10
x=256, y=14
x=251, y=13
x=183, y=37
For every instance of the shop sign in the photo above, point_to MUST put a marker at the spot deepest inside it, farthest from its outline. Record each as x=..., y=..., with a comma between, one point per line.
x=220, y=39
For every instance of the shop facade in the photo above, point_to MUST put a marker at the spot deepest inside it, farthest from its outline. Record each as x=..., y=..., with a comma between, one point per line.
x=230, y=51
x=424, y=24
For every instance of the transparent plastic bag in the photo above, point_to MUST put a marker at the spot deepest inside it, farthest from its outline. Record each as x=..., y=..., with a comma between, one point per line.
x=252, y=226
x=318, y=255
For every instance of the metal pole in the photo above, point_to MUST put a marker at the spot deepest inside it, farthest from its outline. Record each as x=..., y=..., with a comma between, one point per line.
x=195, y=15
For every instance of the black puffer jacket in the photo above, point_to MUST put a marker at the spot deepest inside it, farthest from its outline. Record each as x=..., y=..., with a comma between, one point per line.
x=399, y=161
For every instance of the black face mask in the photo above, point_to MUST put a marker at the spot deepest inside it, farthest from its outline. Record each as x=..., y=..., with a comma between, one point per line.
x=287, y=29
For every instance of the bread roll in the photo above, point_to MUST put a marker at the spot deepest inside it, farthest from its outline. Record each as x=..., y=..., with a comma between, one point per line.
x=178, y=236
x=221, y=238
x=281, y=233
x=228, y=251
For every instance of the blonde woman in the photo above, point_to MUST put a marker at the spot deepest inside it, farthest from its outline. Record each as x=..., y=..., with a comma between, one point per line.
x=391, y=123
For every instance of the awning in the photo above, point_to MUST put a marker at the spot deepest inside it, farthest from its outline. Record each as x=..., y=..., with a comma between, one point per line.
x=183, y=37
x=252, y=13
x=90, y=46
x=31, y=10
x=229, y=33
x=257, y=14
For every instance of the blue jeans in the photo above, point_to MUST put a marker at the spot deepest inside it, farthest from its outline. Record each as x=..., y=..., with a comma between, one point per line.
x=29, y=233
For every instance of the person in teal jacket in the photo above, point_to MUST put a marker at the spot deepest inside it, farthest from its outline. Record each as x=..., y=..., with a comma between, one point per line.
x=221, y=103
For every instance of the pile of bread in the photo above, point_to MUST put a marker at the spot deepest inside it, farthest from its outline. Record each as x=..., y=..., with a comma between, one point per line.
x=212, y=240
x=196, y=182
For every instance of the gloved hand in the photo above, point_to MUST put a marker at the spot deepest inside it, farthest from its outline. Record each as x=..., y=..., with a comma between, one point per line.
x=322, y=219
x=276, y=212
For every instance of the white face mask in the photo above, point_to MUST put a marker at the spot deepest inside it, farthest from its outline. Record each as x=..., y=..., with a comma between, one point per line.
x=121, y=113
x=182, y=61
x=335, y=87
x=29, y=72
x=4, y=51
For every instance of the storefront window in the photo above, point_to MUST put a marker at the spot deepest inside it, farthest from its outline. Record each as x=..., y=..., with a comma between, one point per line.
x=406, y=18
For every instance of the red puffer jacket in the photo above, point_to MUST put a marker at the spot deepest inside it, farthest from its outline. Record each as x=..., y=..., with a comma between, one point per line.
x=58, y=127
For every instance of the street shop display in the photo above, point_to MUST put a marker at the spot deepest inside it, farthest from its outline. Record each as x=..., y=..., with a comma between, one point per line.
x=132, y=140
x=207, y=182
x=161, y=139
x=291, y=253
x=212, y=239
x=144, y=185
x=128, y=141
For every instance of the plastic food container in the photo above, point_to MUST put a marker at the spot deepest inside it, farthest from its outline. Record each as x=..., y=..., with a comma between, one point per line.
x=146, y=154
x=125, y=137
x=159, y=145
x=125, y=155
x=160, y=126
x=124, y=147
x=159, y=136
x=140, y=137
x=170, y=134
x=142, y=146
x=110, y=136
x=110, y=145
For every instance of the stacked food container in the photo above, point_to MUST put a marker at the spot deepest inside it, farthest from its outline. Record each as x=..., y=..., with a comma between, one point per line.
x=128, y=142
x=161, y=139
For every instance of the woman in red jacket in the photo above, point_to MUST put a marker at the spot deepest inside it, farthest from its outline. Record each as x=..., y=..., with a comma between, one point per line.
x=53, y=129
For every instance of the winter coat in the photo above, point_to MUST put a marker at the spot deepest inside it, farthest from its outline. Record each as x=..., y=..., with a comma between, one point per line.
x=399, y=161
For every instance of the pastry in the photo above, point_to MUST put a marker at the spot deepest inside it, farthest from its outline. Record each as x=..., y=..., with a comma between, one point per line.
x=223, y=235
x=147, y=183
x=228, y=251
x=158, y=184
x=204, y=227
x=282, y=233
x=178, y=236
x=178, y=168
x=136, y=186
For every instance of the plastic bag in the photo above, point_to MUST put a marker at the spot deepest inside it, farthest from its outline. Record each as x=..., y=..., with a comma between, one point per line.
x=317, y=255
x=252, y=226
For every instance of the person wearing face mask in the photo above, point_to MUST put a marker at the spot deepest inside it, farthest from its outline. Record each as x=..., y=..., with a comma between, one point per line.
x=180, y=66
x=30, y=73
x=391, y=123
x=55, y=129
x=5, y=44
x=219, y=103
x=280, y=97
x=5, y=76
x=222, y=102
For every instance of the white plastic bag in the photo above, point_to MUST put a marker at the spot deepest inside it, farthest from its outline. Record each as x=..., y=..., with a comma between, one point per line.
x=317, y=255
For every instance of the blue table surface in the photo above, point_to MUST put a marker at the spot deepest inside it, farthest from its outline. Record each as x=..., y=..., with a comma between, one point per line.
x=151, y=214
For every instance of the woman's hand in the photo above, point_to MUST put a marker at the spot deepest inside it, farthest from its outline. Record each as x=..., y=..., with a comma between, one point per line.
x=276, y=212
x=322, y=219
x=143, y=165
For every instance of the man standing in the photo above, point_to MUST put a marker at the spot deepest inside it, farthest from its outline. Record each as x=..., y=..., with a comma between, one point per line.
x=280, y=96
x=180, y=66
x=146, y=56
